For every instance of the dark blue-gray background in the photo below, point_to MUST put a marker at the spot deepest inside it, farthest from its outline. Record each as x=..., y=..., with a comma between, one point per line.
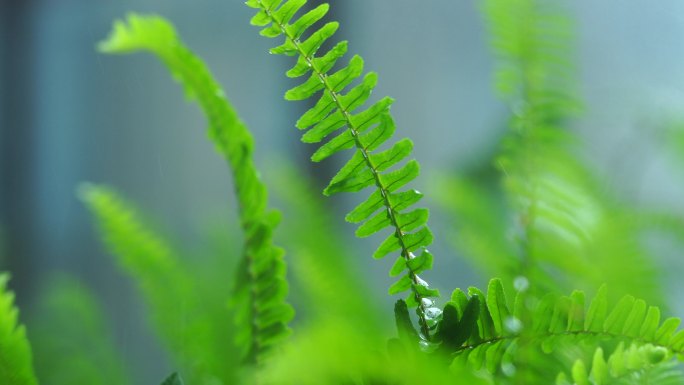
x=68, y=114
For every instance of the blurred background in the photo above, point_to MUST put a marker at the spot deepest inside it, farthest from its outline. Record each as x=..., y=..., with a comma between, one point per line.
x=69, y=115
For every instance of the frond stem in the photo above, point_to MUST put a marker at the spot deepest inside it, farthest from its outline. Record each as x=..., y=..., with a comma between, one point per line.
x=566, y=333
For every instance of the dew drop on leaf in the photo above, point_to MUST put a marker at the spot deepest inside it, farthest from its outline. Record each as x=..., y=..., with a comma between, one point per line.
x=513, y=324
x=508, y=369
x=427, y=302
x=521, y=283
x=433, y=312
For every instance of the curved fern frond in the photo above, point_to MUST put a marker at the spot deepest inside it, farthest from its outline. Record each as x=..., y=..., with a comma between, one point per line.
x=16, y=367
x=182, y=318
x=261, y=288
x=337, y=121
x=636, y=364
x=484, y=330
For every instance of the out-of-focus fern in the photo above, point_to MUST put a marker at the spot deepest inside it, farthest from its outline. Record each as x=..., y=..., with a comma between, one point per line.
x=566, y=231
x=322, y=264
x=16, y=366
x=365, y=131
x=195, y=335
x=71, y=343
x=532, y=41
x=635, y=365
x=479, y=224
x=352, y=357
x=260, y=289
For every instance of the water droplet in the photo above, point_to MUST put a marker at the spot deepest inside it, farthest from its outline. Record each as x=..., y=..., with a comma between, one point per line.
x=513, y=324
x=411, y=255
x=427, y=346
x=521, y=283
x=508, y=369
x=426, y=302
x=432, y=313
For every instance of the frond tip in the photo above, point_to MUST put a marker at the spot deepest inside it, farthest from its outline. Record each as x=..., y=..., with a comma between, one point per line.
x=16, y=367
x=337, y=121
x=139, y=32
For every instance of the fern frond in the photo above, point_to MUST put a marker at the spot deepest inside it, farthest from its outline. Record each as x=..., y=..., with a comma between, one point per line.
x=338, y=121
x=182, y=318
x=72, y=344
x=260, y=288
x=484, y=330
x=634, y=365
x=16, y=367
x=569, y=232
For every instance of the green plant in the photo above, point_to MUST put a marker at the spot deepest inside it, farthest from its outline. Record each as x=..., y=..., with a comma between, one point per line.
x=568, y=238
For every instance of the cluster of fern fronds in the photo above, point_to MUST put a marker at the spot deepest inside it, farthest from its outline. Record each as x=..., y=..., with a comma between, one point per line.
x=228, y=321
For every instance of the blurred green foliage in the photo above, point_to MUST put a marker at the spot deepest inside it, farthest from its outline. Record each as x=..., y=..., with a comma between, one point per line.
x=68, y=323
x=535, y=216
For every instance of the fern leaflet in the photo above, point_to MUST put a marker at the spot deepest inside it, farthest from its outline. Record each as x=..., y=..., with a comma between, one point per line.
x=260, y=288
x=16, y=367
x=336, y=112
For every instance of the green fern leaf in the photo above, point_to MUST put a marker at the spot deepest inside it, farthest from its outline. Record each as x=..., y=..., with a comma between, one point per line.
x=260, y=288
x=16, y=367
x=335, y=113
x=494, y=336
x=496, y=303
